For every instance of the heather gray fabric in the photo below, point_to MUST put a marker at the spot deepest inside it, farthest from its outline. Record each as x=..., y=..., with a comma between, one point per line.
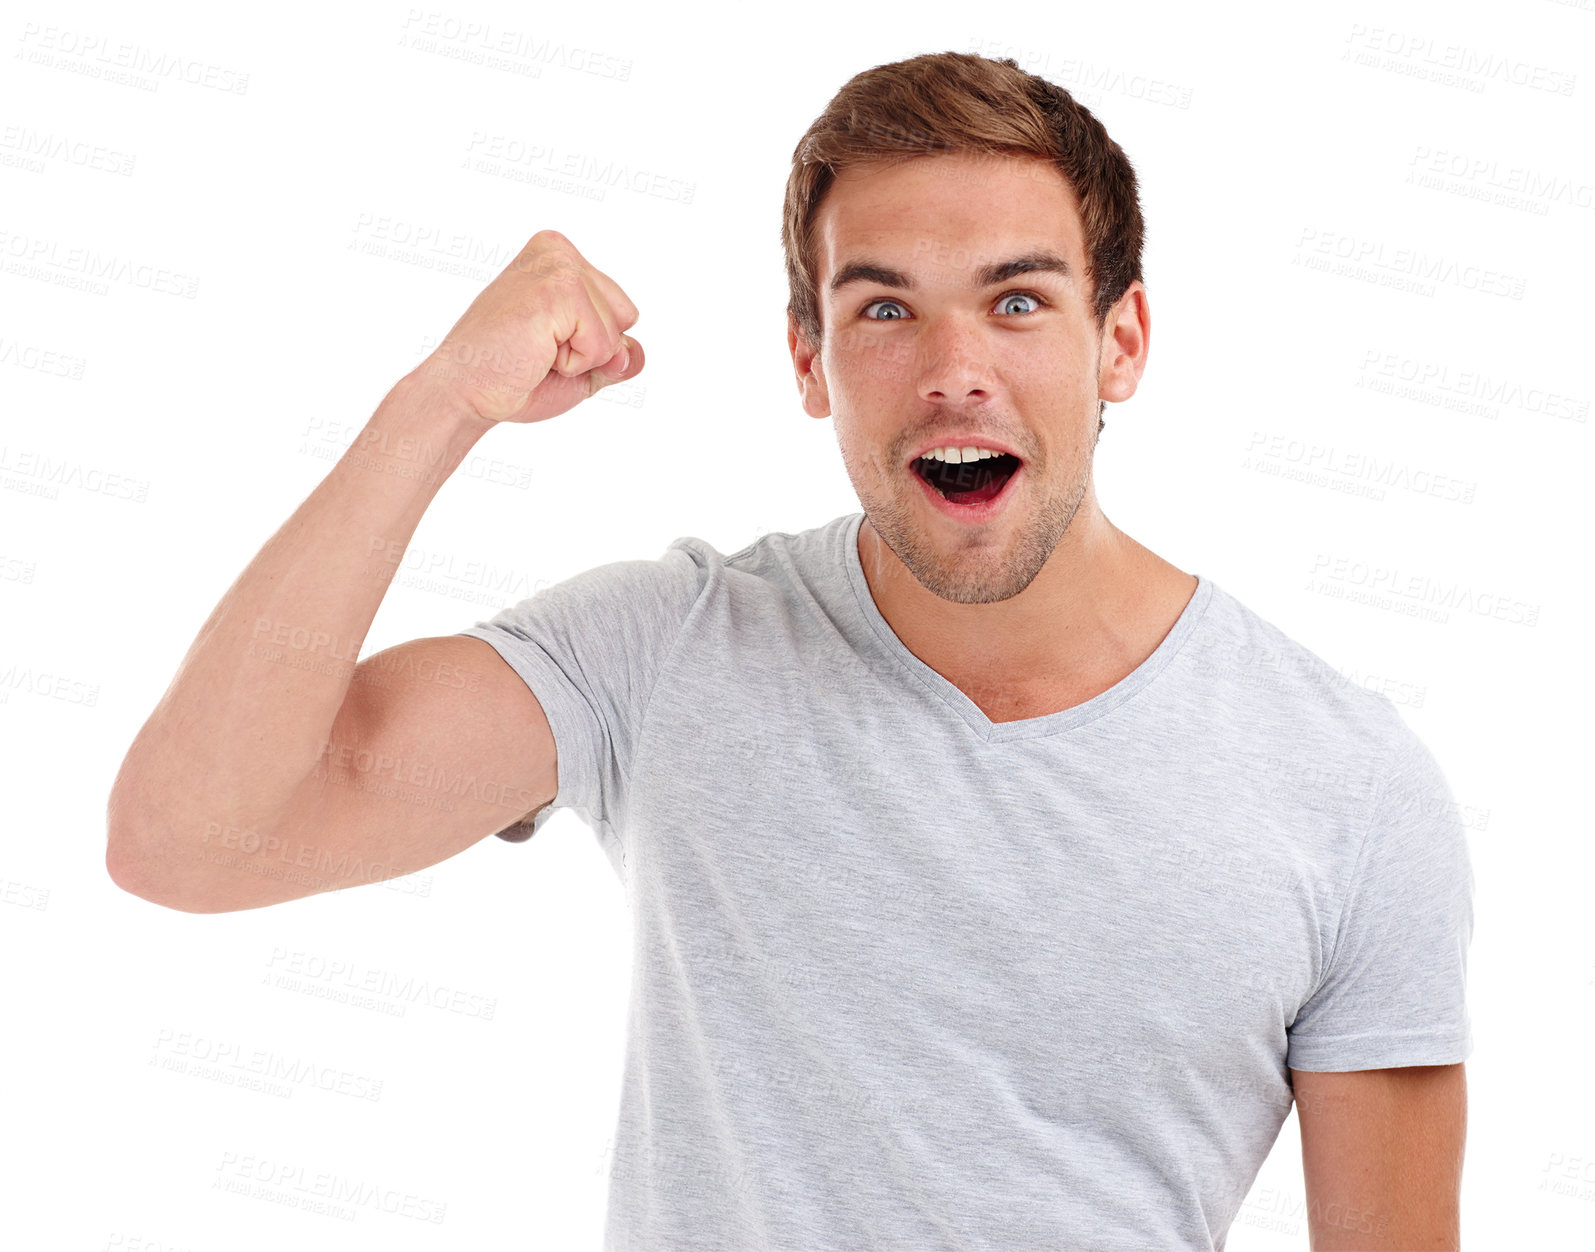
x=904, y=978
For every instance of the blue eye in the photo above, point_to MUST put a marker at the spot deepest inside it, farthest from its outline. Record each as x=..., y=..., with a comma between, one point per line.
x=1018, y=295
x=1034, y=299
x=873, y=303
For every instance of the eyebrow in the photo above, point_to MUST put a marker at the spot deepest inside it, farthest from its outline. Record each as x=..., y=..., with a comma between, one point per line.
x=1039, y=261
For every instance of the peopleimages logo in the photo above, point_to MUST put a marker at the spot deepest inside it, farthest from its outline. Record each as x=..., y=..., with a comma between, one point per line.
x=1413, y=595
x=234, y=1064
x=117, y=61
x=288, y=967
x=1472, y=391
x=1344, y=469
x=87, y=268
x=1451, y=64
x=283, y=1182
x=490, y=47
x=1443, y=170
x=1407, y=269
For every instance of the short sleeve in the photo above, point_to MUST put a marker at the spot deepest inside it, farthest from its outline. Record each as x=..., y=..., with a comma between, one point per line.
x=590, y=649
x=1395, y=988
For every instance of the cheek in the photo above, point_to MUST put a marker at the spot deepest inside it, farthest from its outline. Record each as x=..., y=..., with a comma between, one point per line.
x=864, y=458
x=1052, y=367
x=863, y=362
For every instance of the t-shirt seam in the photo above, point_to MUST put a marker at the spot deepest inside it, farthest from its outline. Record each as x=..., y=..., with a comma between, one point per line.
x=500, y=636
x=1351, y=878
x=1150, y=677
x=1446, y=1032
x=993, y=731
x=675, y=646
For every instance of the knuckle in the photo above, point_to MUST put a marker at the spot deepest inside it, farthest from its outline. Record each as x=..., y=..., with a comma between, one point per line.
x=561, y=272
x=546, y=251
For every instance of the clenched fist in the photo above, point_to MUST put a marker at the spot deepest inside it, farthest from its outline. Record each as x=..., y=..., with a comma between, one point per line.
x=540, y=338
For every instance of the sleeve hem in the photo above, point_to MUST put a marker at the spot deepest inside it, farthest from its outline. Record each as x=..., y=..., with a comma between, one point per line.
x=1349, y=1052
x=546, y=689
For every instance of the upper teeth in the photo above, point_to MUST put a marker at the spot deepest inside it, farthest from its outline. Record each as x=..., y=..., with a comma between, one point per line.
x=959, y=455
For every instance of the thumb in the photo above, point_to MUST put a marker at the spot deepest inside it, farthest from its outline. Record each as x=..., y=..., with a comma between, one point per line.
x=625, y=365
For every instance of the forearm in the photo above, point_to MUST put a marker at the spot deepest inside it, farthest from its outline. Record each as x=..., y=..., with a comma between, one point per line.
x=253, y=702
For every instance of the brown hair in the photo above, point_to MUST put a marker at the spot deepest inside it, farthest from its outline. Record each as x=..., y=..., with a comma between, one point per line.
x=962, y=102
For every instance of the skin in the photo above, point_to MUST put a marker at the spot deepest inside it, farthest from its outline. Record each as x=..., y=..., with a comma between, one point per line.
x=1048, y=604
x=1382, y=1154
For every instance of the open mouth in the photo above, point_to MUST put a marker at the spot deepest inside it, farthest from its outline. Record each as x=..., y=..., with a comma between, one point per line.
x=971, y=482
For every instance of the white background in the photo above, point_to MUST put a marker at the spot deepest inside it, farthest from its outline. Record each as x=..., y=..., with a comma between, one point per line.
x=153, y=440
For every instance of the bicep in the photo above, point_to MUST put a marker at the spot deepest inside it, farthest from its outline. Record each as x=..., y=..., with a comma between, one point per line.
x=438, y=745
x=1382, y=1155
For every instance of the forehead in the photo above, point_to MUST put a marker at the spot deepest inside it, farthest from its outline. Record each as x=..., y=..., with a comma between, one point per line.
x=943, y=215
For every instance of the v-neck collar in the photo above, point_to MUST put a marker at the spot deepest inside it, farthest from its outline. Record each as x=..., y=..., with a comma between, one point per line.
x=1030, y=727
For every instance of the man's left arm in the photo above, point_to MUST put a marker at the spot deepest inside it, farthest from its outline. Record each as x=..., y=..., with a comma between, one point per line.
x=1382, y=1157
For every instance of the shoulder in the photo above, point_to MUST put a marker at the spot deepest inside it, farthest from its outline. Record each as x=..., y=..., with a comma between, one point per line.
x=778, y=566
x=1320, y=733
x=691, y=578
x=1252, y=658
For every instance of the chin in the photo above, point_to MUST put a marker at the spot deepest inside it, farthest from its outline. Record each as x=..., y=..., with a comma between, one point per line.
x=987, y=573
x=1015, y=549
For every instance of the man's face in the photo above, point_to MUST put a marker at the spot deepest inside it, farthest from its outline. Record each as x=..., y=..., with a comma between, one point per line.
x=944, y=355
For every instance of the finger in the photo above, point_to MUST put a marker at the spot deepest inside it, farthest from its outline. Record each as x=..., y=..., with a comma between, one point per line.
x=594, y=337
x=626, y=364
x=625, y=312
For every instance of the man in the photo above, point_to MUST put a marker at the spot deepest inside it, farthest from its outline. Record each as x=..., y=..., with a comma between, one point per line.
x=996, y=883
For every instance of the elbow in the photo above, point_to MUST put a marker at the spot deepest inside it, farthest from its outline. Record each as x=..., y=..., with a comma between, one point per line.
x=125, y=861
x=122, y=866
x=135, y=885
x=121, y=853
x=127, y=865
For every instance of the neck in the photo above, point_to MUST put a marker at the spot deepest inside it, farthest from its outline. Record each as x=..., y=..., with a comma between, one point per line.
x=1099, y=607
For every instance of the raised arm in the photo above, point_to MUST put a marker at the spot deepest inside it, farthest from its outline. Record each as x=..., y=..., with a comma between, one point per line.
x=271, y=750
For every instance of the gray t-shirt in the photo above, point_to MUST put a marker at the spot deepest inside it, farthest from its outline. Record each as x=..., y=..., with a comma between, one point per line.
x=905, y=978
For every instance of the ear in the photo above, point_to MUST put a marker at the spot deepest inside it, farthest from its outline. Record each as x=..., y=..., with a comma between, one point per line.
x=1126, y=339
x=810, y=371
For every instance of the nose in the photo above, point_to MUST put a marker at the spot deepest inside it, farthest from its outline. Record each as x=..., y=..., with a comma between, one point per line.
x=952, y=363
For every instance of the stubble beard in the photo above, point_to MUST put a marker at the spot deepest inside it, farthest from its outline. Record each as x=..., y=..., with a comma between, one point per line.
x=973, y=572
